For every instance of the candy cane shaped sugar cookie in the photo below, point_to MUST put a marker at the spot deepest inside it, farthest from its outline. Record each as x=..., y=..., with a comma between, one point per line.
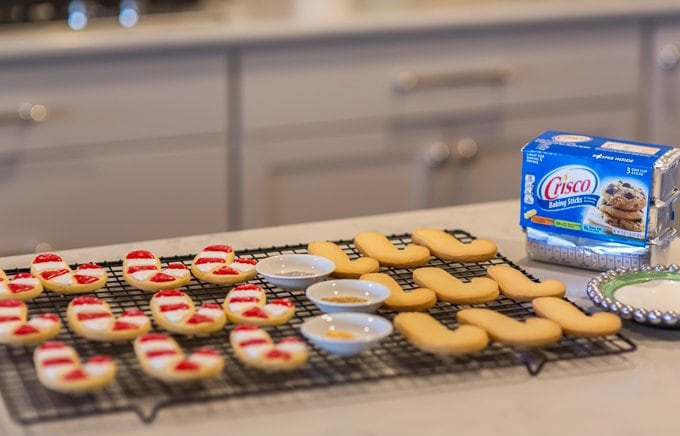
x=254, y=347
x=513, y=284
x=162, y=358
x=377, y=246
x=22, y=286
x=532, y=332
x=344, y=266
x=59, y=368
x=573, y=321
x=450, y=289
x=216, y=264
x=447, y=247
x=92, y=318
x=142, y=269
x=57, y=276
x=429, y=335
x=413, y=300
x=248, y=304
x=15, y=330
x=175, y=312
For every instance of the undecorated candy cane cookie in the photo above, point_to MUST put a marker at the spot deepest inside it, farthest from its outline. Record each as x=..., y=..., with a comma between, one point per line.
x=532, y=332
x=573, y=321
x=174, y=311
x=22, y=286
x=447, y=247
x=57, y=276
x=15, y=330
x=429, y=335
x=254, y=347
x=216, y=264
x=513, y=284
x=59, y=368
x=93, y=319
x=344, y=266
x=377, y=246
x=248, y=303
x=448, y=288
x=142, y=269
x=414, y=300
x=161, y=357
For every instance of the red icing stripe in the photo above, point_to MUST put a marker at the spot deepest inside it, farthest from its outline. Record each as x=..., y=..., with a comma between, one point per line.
x=153, y=337
x=246, y=327
x=171, y=307
x=140, y=254
x=187, y=365
x=247, y=287
x=197, y=318
x=79, y=301
x=223, y=247
x=88, y=316
x=122, y=325
x=26, y=329
x=50, y=316
x=176, y=266
x=158, y=353
x=132, y=312
x=23, y=276
x=211, y=306
x=52, y=345
x=134, y=269
x=226, y=271
x=203, y=260
x=169, y=293
x=160, y=277
x=9, y=318
x=243, y=300
x=57, y=361
x=255, y=341
x=48, y=275
x=76, y=374
x=290, y=339
x=277, y=354
x=255, y=312
x=282, y=302
x=11, y=303
x=85, y=280
x=47, y=257
x=100, y=359
x=89, y=265
x=247, y=261
x=16, y=288
x=207, y=351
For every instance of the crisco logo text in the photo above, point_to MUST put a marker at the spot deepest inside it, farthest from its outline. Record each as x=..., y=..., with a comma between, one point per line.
x=568, y=181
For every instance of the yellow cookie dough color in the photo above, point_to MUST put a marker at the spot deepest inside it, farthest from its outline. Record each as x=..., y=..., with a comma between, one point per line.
x=414, y=300
x=15, y=330
x=57, y=276
x=377, y=246
x=532, y=332
x=450, y=289
x=142, y=270
x=431, y=336
x=162, y=358
x=447, y=247
x=216, y=264
x=59, y=368
x=92, y=318
x=254, y=347
x=174, y=311
x=515, y=285
x=344, y=266
x=248, y=304
x=573, y=321
x=22, y=286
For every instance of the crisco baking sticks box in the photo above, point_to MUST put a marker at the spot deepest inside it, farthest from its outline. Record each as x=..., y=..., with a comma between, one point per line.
x=596, y=188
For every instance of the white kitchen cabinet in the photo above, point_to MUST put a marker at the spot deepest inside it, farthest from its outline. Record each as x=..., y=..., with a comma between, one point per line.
x=664, y=85
x=132, y=147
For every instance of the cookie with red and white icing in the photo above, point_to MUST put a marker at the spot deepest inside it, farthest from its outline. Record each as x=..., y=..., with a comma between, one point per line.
x=57, y=276
x=92, y=318
x=248, y=304
x=174, y=311
x=22, y=286
x=216, y=264
x=254, y=347
x=142, y=269
x=161, y=357
x=60, y=369
x=16, y=330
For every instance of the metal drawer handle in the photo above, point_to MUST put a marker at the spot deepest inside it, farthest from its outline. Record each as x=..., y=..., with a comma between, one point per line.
x=409, y=81
x=668, y=57
x=27, y=112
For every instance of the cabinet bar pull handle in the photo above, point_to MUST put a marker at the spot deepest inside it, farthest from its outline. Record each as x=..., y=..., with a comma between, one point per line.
x=408, y=81
x=25, y=113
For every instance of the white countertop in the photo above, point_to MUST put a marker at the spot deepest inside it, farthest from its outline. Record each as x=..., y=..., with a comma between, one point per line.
x=634, y=393
x=245, y=22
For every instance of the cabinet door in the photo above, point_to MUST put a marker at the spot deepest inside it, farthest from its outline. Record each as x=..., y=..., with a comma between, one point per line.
x=93, y=195
x=664, y=104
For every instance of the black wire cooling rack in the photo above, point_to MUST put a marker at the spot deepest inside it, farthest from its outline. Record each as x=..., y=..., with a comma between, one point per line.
x=28, y=402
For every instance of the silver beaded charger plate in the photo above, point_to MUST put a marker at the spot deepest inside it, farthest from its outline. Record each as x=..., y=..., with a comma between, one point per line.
x=648, y=295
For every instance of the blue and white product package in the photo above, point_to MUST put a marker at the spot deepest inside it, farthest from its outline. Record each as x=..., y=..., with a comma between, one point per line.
x=598, y=203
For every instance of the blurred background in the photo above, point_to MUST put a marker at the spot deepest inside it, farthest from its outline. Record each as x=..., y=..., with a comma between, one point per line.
x=125, y=120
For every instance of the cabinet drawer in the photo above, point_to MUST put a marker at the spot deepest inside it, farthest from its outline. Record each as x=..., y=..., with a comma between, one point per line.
x=335, y=81
x=111, y=99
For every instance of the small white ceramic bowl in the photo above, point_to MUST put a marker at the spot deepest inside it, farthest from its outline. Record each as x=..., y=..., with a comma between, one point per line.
x=294, y=271
x=373, y=293
x=366, y=330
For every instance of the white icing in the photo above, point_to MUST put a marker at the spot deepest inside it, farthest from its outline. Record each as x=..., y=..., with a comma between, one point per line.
x=10, y=311
x=28, y=281
x=663, y=295
x=242, y=267
x=4, y=289
x=98, y=272
x=276, y=309
x=88, y=308
x=54, y=353
x=210, y=313
x=246, y=335
x=49, y=266
x=98, y=323
x=140, y=262
x=179, y=273
x=292, y=347
x=256, y=350
x=9, y=326
x=213, y=255
x=171, y=300
x=98, y=369
x=64, y=279
x=245, y=294
x=207, y=267
x=237, y=307
x=161, y=362
x=205, y=360
x=55, y=371
x=42, y=323
x=176, y=315
x=148, y=346
x=138, y=320
x=143, y=274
